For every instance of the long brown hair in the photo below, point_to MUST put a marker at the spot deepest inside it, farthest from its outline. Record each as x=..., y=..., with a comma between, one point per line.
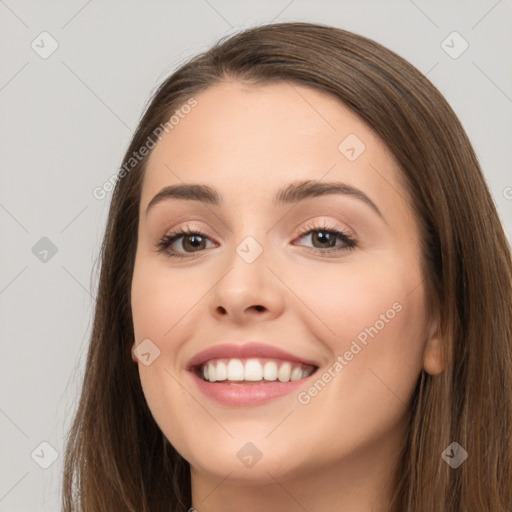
x=117, y=458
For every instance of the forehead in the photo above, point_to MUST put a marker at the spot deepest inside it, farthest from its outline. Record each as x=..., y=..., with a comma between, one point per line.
x=251, y=140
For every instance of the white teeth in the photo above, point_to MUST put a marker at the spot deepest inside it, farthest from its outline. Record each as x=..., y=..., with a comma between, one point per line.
x=222, y=371
x=284, y=372
x=235, y=370
x=254, y=370
x=270, y=371
x=296, y=373
x=212, y=372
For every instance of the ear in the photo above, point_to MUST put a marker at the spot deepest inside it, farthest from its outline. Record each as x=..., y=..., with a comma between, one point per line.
x=433, y=358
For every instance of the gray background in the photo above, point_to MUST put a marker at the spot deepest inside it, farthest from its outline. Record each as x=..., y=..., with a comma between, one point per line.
x=67, y=120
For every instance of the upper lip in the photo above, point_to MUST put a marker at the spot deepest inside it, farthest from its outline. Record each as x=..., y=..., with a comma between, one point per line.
x=247, y=350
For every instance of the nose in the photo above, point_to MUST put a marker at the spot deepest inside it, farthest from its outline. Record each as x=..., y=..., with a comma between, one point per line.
x=247, y=291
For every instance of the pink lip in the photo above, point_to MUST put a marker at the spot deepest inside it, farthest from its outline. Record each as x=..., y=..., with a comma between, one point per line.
x=250, y=349
x=240, y=395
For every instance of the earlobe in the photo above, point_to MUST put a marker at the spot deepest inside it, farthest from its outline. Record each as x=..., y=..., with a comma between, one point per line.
x=433, y=357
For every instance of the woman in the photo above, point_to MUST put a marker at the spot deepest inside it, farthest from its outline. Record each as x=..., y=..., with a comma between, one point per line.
x=305, y=300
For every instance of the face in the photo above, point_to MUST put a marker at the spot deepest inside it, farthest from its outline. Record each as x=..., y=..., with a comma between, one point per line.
x=305, y=304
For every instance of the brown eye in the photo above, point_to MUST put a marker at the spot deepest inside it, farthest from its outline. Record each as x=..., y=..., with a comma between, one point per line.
x=193, y=242
x=324, y=239
x=183, y=242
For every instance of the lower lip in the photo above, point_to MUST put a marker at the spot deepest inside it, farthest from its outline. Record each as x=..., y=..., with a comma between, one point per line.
x=239, y=395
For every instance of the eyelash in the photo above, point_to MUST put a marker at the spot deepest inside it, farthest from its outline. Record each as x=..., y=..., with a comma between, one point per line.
x=167, y=240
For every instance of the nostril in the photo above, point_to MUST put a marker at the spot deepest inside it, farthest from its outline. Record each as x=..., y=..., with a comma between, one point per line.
x=258, y=308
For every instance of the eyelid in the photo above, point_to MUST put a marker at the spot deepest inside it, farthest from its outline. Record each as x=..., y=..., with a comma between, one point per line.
x=322, y=224
x=299, y=232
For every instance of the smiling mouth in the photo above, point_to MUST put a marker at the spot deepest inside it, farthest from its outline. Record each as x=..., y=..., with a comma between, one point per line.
x=252, y=370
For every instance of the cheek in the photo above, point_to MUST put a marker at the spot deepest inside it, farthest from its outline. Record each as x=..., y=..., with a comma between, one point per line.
x=363, y=302
x=161, y=299
x=373, y=321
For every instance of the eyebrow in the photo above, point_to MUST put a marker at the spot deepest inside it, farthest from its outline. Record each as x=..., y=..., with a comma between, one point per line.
x=291, y=193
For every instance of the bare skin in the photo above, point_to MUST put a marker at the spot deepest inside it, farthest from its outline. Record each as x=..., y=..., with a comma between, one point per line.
x=335, y=449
